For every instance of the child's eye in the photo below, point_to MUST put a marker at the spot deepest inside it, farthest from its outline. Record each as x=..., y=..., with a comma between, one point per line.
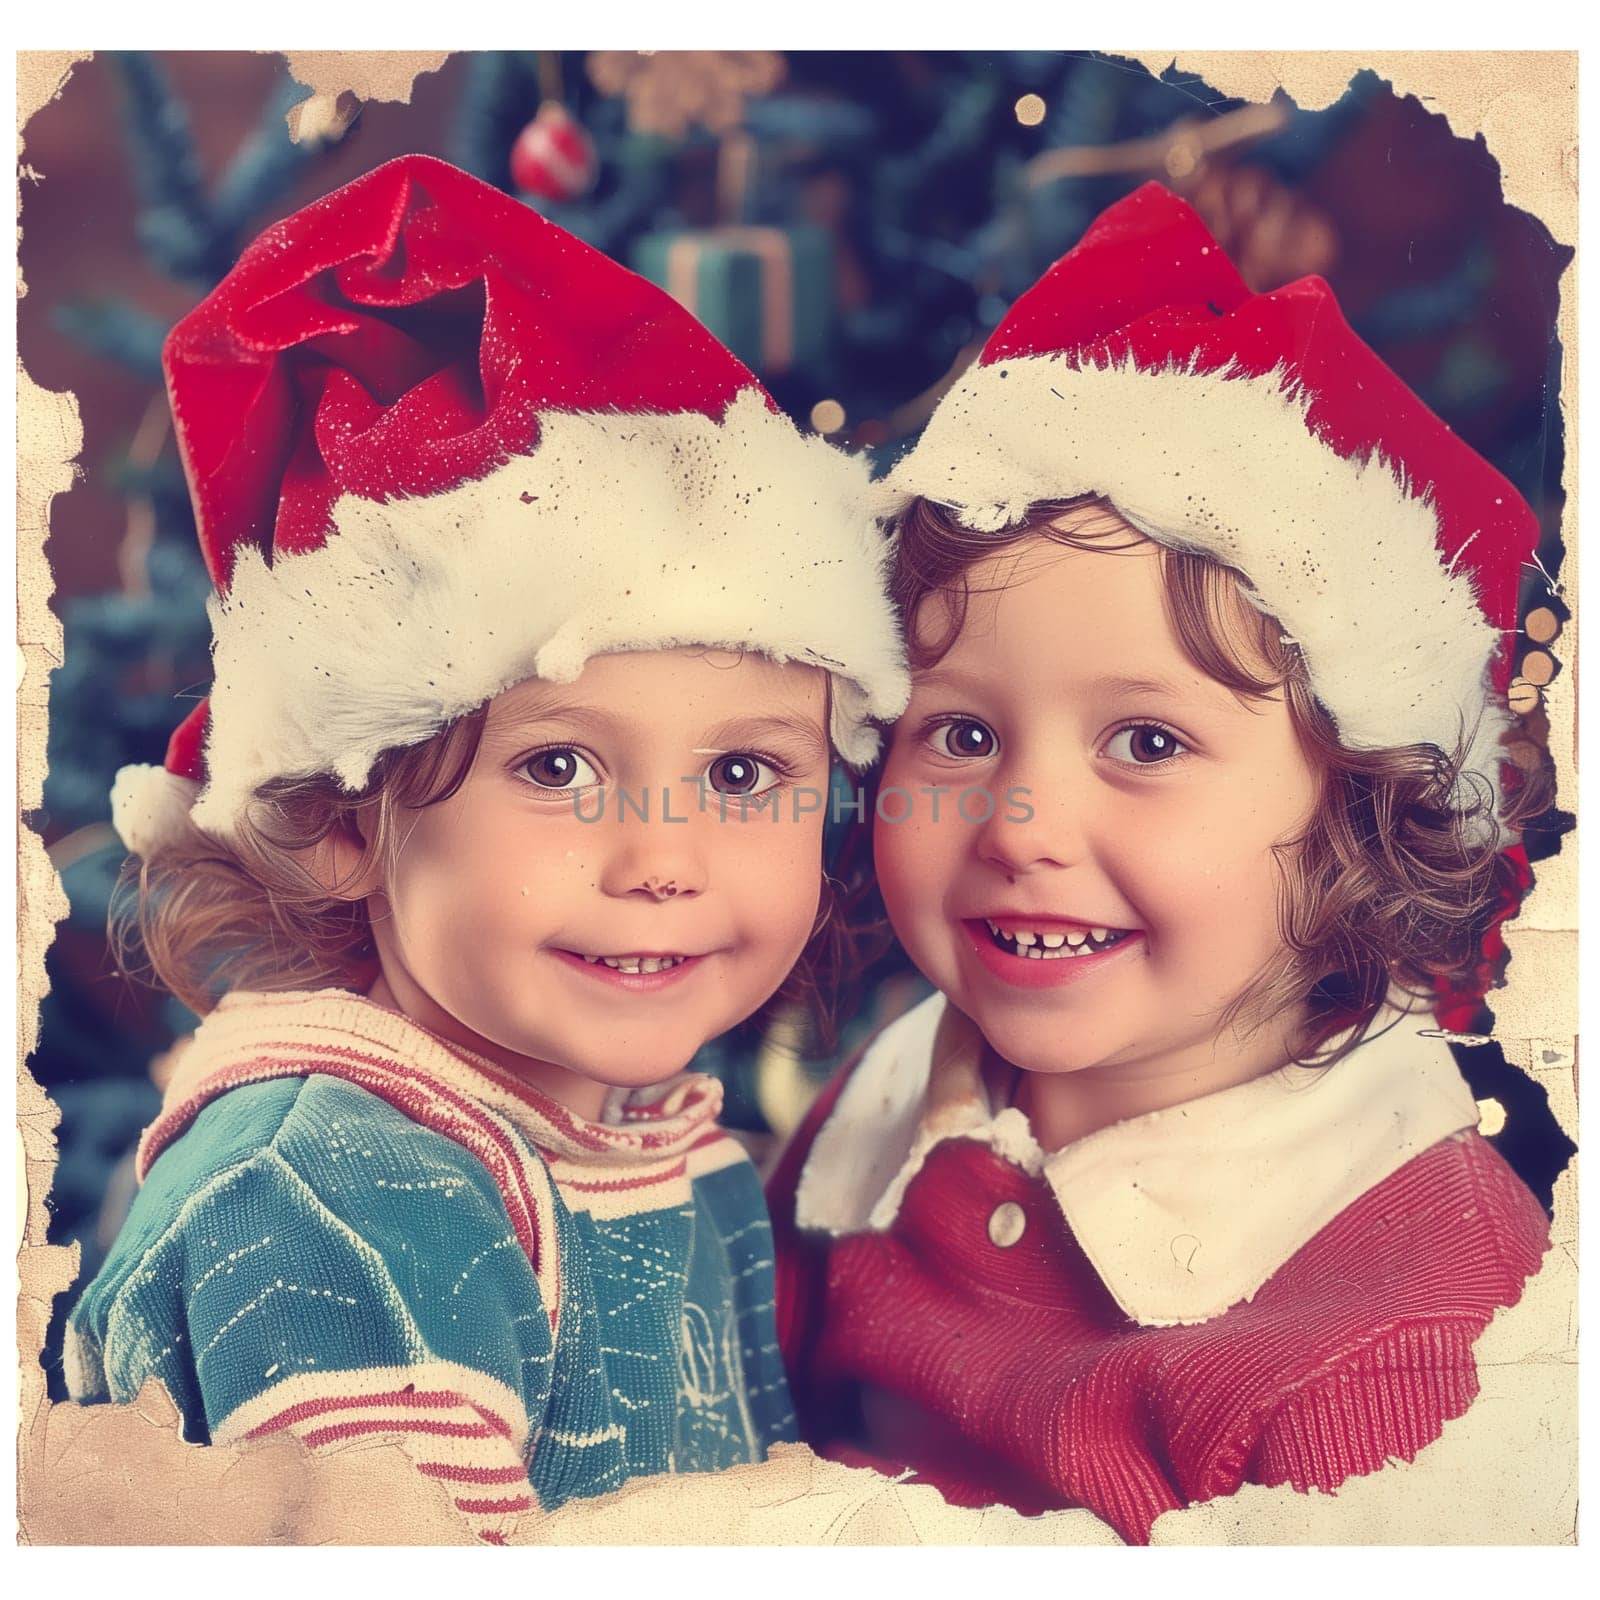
x=742, y=775
x=1144, y=744
x=559, y=767
x=965, y=738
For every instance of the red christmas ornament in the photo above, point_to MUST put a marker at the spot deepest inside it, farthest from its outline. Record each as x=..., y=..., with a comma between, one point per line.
x=554, y=157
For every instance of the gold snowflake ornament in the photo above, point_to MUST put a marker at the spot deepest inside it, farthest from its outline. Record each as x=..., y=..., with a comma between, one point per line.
x=669, y=90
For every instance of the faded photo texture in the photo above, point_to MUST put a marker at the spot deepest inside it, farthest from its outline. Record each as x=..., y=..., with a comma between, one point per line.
x=853, y=226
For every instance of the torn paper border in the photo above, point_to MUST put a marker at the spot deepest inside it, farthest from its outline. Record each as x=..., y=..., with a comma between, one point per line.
x=121, y=1475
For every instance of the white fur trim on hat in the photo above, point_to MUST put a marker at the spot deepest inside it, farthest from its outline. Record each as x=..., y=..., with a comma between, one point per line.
x=1337, y=549
x=618, y=532
x=150, y=808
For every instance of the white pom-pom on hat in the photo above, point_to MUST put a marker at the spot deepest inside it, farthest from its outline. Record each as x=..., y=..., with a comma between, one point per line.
x=150, y=808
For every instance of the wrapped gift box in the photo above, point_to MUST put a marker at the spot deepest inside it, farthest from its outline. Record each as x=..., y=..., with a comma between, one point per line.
x=767, y=293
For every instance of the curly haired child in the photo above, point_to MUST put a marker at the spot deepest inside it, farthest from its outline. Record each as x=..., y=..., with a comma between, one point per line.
x=1174, y=1186
x=533, y=617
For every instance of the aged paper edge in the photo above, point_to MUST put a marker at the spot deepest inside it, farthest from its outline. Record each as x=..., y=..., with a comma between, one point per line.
x=1478, y=92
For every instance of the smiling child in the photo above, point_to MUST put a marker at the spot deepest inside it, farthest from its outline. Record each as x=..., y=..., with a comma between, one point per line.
x=534, y=618
x=1159, y=790
x=1174, y=1186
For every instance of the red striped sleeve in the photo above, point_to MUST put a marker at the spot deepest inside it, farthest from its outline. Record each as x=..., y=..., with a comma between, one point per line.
x=422, y=1399
x=451, y=1473
x=427, y=1421
x=490, y=1508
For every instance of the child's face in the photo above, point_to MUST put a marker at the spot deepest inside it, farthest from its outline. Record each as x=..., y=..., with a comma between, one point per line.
x=500, y=899
x=1156, y=794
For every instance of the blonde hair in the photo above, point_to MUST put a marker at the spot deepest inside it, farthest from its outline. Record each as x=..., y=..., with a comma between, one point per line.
x=202, y=917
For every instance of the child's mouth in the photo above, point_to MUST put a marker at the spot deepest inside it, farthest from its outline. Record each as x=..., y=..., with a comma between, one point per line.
x=1034, y=957
x=637, y=971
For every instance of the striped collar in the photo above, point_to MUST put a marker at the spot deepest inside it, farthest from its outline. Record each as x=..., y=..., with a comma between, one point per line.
x=250, y=1037
x=1183, y=1212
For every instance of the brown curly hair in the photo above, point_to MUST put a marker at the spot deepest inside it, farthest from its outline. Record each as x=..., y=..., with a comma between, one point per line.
x=1389, y=885
x=202, y=918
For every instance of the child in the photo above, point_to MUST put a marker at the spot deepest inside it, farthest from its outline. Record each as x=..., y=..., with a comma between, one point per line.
x=1172, y=1187
x=532, y=616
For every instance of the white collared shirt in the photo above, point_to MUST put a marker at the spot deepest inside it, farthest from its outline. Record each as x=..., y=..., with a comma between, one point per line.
x=1182, y=1212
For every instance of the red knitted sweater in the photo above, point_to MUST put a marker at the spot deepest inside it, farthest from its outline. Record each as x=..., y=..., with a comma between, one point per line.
x=1006, y=1372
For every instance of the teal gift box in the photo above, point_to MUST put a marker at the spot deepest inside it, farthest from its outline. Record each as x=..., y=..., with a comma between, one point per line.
x=766, y=293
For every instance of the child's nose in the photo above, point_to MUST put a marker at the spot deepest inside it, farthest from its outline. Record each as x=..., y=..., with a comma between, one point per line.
x=1033, y=831
x=658, y=862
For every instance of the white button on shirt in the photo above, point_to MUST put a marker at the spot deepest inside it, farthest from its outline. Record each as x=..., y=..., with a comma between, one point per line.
x=1006, y=1224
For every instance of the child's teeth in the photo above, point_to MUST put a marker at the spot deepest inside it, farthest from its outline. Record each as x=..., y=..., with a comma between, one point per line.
x=1031, y=945
x=638, y=964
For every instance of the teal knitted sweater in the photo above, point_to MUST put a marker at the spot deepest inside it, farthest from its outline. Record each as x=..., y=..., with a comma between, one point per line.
x=346, y=1227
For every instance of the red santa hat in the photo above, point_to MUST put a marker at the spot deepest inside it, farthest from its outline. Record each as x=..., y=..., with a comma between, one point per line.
x=436, y=445
x=1259, y=430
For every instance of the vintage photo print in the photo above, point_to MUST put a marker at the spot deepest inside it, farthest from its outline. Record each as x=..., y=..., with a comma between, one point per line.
x=797, y=797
